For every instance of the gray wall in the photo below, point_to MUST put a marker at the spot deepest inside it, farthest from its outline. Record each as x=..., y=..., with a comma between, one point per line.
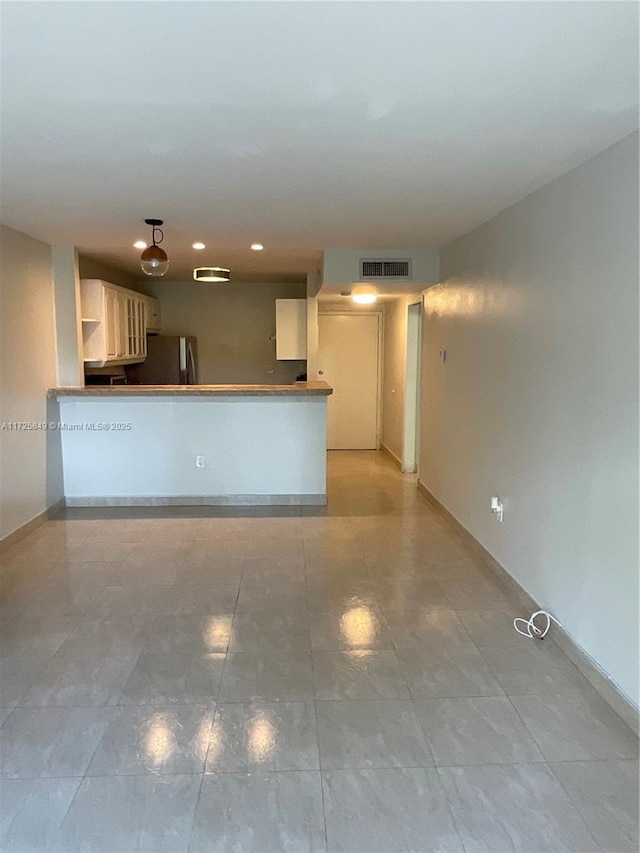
x=538, y=399
x=27, y=369
x=90, y=268
x=233, y=323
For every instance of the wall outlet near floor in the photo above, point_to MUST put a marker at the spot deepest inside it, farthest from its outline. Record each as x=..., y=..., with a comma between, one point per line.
x=199, y=461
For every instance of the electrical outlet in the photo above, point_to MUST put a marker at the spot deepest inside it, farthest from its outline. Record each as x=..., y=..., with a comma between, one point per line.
x=497, y=508
x=199, y=461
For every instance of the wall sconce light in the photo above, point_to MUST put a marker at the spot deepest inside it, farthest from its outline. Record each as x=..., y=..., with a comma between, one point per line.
x=364, y=294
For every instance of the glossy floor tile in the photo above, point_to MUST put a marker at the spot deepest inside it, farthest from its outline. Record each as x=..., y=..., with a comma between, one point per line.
x=483, y=730
x=262, y=632
x=32, y=812
x=606, y=795
x=160, y=679
x=113, y=814
x=263, y=736
x=260, y=813
x=48, y=742
x=362, y=674
x=514, y=807
x=446, y=672
x=574, y=727
x=148, y=739
x=388, y=810
x=270, y=675
x=371, y=733
x=339, y=678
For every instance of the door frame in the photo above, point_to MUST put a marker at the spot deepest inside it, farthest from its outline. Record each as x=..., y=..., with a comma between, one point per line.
x=412, y=395
x=370, y=313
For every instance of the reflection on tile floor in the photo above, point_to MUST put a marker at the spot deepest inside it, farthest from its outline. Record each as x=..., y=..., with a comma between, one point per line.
x=282, y=679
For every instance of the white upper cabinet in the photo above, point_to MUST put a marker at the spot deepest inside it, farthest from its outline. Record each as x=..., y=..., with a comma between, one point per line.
x=152, y=314
x=291, y=329
x=115, y=323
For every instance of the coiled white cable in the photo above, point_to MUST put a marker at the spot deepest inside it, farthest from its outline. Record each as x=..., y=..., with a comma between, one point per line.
x=531, y=629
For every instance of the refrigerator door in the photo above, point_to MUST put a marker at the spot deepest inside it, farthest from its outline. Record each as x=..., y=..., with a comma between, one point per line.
x=167, y=362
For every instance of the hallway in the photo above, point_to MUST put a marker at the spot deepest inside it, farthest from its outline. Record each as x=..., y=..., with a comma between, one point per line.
x=336, y=679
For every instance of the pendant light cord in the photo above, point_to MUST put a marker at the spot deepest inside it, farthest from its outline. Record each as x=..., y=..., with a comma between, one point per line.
x=153, y=235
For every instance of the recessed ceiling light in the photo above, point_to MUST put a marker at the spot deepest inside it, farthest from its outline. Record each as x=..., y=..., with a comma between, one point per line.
x=140, y=244
x=198, y=246
x=257, y=247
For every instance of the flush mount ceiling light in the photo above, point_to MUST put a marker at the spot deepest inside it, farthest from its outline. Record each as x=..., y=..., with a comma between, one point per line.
x=211, y=274
x=364, y=294
x=257, y=247
x=154, y=260
x=140, y=244
x=198, y=246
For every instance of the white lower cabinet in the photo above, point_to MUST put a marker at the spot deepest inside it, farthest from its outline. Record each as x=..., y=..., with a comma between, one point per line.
x=114, y=323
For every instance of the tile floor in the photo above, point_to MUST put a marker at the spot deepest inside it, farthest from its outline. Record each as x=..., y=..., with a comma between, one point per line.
x=341, y=679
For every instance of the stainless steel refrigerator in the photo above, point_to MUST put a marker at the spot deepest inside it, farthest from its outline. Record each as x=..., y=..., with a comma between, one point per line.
x=171, y=360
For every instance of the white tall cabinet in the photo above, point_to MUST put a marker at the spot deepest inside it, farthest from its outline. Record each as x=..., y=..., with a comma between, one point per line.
x=291, y=329
x=115, y=322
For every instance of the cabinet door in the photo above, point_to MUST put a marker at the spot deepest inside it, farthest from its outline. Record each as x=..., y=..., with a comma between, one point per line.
x=123, y=327
x=141, y=332
x=112, y=320
x=152, y=314
x=291, y=329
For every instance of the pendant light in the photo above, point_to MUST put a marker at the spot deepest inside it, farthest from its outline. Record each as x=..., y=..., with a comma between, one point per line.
x=154, y=260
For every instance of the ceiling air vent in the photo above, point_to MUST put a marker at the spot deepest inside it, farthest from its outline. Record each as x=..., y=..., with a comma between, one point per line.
x=384, y=268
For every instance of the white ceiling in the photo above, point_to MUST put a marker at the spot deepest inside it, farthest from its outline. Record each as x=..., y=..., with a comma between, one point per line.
x=301, y=125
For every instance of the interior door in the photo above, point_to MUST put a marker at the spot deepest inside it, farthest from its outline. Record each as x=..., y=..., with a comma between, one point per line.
x=348, y=356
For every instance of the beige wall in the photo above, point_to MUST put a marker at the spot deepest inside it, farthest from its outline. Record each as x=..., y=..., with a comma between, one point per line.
x=27, y=369
x=538, y=399
x=233, y=324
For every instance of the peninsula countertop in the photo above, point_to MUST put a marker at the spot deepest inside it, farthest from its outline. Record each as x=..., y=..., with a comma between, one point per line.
x=297, y=389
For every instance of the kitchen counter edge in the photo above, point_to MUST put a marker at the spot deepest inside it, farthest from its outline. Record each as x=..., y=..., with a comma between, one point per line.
x=298, y=389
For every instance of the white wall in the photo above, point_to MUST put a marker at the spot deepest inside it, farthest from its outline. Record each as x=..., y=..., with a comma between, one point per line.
x=27, y=369
x=342, y=267
x=538, y=399
x=251, y=446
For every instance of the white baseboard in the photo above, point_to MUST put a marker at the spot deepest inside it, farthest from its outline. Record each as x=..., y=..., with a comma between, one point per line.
x=622, y=704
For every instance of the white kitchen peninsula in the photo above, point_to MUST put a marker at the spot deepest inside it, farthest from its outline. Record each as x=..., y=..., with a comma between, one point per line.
x=194, y=444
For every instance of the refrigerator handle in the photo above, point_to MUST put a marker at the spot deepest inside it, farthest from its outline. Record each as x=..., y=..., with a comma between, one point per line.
x=192, y=379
